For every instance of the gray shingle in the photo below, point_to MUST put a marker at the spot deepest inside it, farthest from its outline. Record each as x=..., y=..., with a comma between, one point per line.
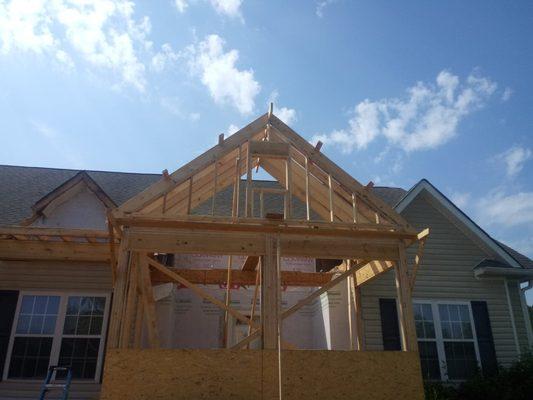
x=21, y=187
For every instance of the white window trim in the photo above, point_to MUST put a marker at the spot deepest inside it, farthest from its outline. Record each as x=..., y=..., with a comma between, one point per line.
x=58, y=332
x=438, y=333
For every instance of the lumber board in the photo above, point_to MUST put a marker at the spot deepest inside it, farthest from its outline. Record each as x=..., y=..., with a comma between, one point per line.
x=405, y=303
x=36, y=231
x=51, y=250
x=159, y=188
x=269, y=149
x=242, y=278
x=147, y=294
x=329, y=166
x=250, y=263
x=270, y=291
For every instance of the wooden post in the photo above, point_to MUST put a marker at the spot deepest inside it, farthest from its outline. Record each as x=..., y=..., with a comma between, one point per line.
x=349, y=301
x=256, y=292
x=112, y=255
x=228, y=303
x=148, y=302
x=139, y=319
x=119, y=292
x=130, y=304
x=405, y=304
x=236, y=187
x=358, y=309
x=288, y=186
x=330, y=187
x=354, y=208
x=270, y=294
x=248, y=196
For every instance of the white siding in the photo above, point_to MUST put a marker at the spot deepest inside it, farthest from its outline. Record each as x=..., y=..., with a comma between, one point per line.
x=446, y=273
x=83, y=210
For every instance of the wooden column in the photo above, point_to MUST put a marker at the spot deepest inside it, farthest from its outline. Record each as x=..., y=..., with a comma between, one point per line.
x=147, y=295
x=356, y=326
x=270, y=292
x=119, y=292
x=130, y=304
x=405, y=303
x=226, y=338
x=359, y=324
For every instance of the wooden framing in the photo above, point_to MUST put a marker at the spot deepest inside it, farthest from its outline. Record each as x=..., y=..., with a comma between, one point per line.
x=31, y=243
x=343, y=220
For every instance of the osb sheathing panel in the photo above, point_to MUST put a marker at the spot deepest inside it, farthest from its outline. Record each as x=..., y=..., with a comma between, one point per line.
x=252, y=374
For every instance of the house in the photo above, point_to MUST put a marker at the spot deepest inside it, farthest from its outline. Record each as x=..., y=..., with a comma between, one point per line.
x=149, y=273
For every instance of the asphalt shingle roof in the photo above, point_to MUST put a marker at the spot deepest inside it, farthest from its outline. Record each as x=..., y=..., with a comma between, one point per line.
x=22, y=187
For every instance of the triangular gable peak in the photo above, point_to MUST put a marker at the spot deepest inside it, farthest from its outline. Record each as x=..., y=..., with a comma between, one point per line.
x=68, y=189
x=301, y=169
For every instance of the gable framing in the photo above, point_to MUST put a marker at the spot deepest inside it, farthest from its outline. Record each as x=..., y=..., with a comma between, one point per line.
x=300, y=168
x=447, y=204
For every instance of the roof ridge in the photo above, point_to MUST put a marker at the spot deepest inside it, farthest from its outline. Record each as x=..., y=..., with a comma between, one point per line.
x=79, y=170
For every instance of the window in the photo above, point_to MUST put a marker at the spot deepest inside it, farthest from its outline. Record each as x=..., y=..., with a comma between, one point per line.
x=446, y=340
x=57, y=329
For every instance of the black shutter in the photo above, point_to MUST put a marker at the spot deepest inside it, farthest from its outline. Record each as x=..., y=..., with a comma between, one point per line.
x=389, y=324
x=8, y=305
x=485, y=341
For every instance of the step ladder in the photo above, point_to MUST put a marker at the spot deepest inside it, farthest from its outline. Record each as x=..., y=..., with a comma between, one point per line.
x=49, y=385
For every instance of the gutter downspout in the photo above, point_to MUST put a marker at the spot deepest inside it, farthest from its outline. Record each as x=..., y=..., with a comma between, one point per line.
x=525, y=311
x=511, y=314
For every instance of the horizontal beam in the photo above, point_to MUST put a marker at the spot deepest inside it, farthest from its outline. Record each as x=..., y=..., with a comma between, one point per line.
x=253, y=244
x=35, y=231
x=269, y=149
x=243, y=278
x=50, y=250
x=295, y=227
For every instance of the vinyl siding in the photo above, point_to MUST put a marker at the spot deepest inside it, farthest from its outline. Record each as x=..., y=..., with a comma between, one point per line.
x=446, y=274
x=52, y=276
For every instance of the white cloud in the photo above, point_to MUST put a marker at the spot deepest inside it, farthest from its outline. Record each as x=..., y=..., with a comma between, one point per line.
x=218, y=72
x=461, y=199
x=175, y=106
x=232, y=128
x=507, y=210
x=102, y=33
x=287, y=115
x=426, y=118
x=514, y=159
x=321, y=5
x=230, y=8
x=59, y=144
x=181, y=5
x=507, y=93
x=164, y=57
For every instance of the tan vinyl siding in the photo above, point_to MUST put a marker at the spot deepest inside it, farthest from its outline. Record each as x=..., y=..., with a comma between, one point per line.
x=521, y=331
x=54, y=275
x=446, y=274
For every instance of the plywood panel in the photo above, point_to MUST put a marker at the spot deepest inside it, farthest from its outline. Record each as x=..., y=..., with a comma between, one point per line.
x=248, y=374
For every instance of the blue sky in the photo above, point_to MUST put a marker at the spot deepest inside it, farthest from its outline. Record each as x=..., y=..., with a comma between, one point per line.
x=397, y=91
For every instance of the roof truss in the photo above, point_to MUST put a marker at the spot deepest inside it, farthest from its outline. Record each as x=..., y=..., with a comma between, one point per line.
x=301, y=169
